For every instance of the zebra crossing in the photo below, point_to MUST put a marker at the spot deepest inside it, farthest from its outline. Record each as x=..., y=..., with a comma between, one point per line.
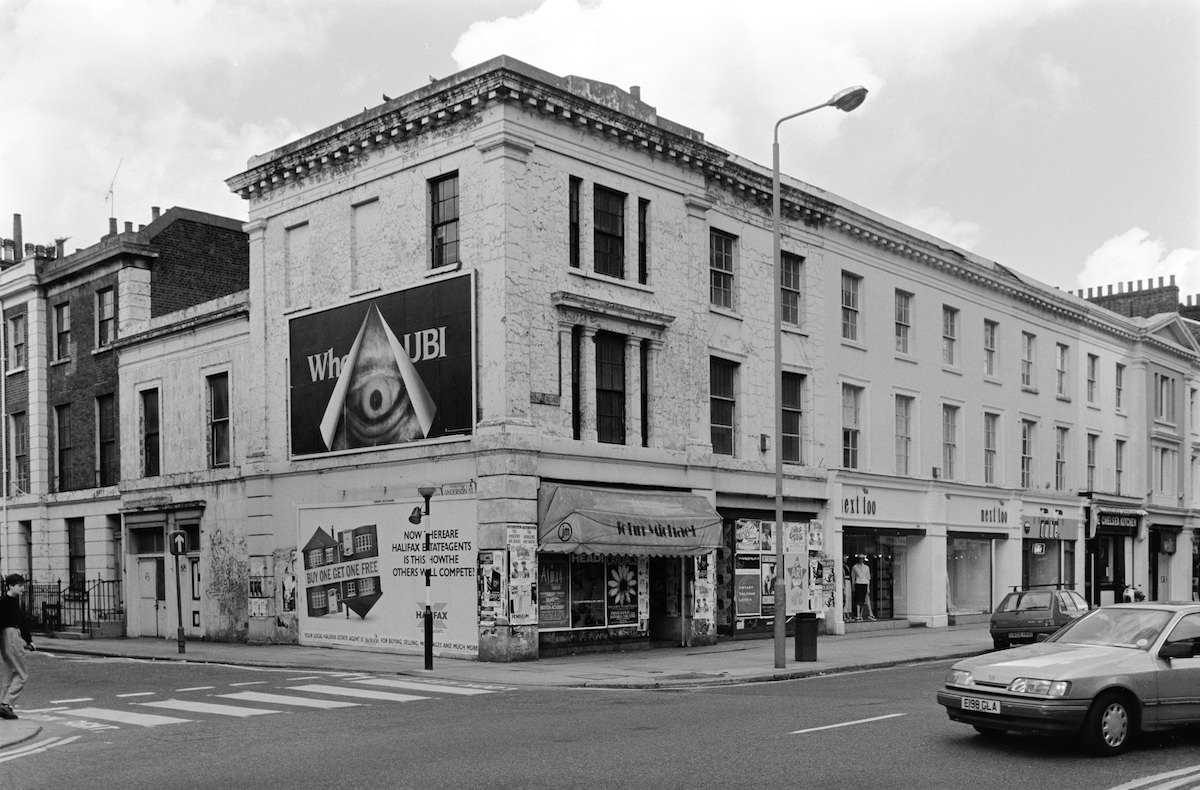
x=197, y=703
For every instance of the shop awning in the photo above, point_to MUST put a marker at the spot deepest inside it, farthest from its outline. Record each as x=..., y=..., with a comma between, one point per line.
x=582, y=520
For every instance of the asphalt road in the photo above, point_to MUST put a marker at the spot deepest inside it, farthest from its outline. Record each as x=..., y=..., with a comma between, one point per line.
x=233, y=727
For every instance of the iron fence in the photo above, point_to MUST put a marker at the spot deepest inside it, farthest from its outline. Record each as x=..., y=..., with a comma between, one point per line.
x=55, y=606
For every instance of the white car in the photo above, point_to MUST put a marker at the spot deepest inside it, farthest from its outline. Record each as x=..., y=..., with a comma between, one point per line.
x=1104, y=677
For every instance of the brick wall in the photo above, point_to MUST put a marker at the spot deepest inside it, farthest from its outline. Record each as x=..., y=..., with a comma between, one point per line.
x=197, y=262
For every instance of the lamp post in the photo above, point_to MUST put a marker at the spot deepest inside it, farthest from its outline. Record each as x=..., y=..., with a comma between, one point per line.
x=427, y=493
x=845, y=100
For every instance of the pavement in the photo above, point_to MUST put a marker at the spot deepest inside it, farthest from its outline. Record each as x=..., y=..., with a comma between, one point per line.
x=726, y=663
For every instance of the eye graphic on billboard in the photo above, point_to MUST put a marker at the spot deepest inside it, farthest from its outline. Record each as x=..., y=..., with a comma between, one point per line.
x=389, y=370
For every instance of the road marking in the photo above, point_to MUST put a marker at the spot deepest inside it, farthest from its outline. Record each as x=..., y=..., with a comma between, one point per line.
x=249, y=683
x=387, y=696
x=37, y=747
x=70, y=701
x=196, y=706
x=197, y=688
x=125, y=717
x=415, y=686
x=136, y=694
x=283, y=699
x=1188, y=774
x=306, y=677
x=848, y=723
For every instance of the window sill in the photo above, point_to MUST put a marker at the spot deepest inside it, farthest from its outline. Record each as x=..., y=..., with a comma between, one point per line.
x=604, y=278
x=57, y=362
x=1029, y=389
x=725, y=311
x=1062, y=398
x=908, y=358
x=951, y=370
x=854, y=344
x=794, y=329
x=15, y=370
x=448, y=268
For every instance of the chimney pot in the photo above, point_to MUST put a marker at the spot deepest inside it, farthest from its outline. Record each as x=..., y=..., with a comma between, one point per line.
x=1172, y=279
x=154, y=210
x=128, y=226
x=18, y=240
x=636, y=91
x=112, y=226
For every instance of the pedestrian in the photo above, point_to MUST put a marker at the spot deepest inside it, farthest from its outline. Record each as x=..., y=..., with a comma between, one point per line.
x=860, y=577
x=13, y=632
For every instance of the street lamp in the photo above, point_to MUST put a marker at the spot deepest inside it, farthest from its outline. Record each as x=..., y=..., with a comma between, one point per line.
x=427, y=493
x=845, y=100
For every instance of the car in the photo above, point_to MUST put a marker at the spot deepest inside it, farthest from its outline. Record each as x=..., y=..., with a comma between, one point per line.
x=1027, y=613
x=1106, y=676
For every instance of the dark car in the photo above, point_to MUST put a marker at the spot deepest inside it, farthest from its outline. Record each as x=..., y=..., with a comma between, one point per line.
x=1031, y=612
x=1103, y=678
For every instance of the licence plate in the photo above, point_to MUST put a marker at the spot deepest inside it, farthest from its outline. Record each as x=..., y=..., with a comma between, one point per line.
x=980, y=705
x=1020, y=635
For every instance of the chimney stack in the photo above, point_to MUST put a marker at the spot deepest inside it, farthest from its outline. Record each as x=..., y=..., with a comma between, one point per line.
x=112, y=226
x=18, y=242
x=154, y=213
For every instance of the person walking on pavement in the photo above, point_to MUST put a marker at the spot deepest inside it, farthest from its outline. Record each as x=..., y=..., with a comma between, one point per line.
x=860, y=577
x=13, y=632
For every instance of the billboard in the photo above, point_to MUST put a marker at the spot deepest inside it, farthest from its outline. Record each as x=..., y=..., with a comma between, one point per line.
x=389, y=370
x=362, y=576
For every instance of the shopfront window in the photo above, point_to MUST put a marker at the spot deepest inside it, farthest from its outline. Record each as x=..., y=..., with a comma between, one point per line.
x=1048, y=562
x=887, y=559
x=589, y=591
x=968, y=575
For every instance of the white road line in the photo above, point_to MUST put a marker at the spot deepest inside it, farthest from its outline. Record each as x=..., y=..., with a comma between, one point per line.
x=36, y=747
x=249, y=683
x=1187, y=774
x=383, y=696
x=136, y=694
x=416, y=686
x=125, y=717
x=196, y=706
x=306, y=677
x=70, y=701
x=848, y=723
x=283, y=699
x=197, y=688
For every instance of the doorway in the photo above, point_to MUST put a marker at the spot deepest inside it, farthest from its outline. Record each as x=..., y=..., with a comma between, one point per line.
x=151, y=613
x=671, y=582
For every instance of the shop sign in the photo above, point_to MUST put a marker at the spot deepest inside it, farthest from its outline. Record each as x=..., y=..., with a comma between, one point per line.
x=1117, y=520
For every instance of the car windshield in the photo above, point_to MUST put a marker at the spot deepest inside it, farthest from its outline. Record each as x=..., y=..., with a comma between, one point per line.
x=1025, y=601
x=1132, y=628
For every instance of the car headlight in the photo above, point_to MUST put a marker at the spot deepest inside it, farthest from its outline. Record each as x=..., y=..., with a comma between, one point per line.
x=959, y=677
x=1044, y=688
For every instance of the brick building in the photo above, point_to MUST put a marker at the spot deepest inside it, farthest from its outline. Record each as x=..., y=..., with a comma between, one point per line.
x=65, y=318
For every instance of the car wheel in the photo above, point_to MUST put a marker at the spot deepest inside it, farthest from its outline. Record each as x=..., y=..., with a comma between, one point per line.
x=989, y=732
x=999, y=643
x=1109, y=726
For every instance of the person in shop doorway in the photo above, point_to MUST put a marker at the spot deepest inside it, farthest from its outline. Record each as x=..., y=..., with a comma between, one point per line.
x=860, y=578
x=14, y=641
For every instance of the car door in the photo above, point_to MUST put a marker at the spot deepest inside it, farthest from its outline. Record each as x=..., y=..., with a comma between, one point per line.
x=1179, y=678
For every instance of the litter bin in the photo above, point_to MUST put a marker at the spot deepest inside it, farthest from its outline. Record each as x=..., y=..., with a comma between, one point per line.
x=806, y=636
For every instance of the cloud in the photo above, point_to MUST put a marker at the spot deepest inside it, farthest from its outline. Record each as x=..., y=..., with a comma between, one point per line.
x=1057, y=76
x=942, y=224
x=1134, y=256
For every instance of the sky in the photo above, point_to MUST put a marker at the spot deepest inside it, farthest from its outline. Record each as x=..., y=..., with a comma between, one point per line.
x=1060, y=138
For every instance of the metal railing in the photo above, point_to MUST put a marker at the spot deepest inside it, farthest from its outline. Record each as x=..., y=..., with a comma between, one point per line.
x=78, y=605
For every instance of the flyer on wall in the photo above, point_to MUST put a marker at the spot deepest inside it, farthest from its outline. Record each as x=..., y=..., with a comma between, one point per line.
x=363, y=570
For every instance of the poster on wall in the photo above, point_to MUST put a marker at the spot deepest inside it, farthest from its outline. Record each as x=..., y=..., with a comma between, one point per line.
x=362, y=577
x=749, y=535
x=392, y=369
x=747, y=581
x=553, y=577
x=522, y=574
x=492, y=595
x=623, y=591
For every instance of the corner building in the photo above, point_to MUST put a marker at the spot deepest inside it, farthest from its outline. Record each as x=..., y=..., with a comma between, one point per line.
x=542, y=304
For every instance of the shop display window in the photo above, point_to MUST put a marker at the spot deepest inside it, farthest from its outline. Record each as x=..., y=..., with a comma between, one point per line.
x=968, y=575
x=589, y=591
